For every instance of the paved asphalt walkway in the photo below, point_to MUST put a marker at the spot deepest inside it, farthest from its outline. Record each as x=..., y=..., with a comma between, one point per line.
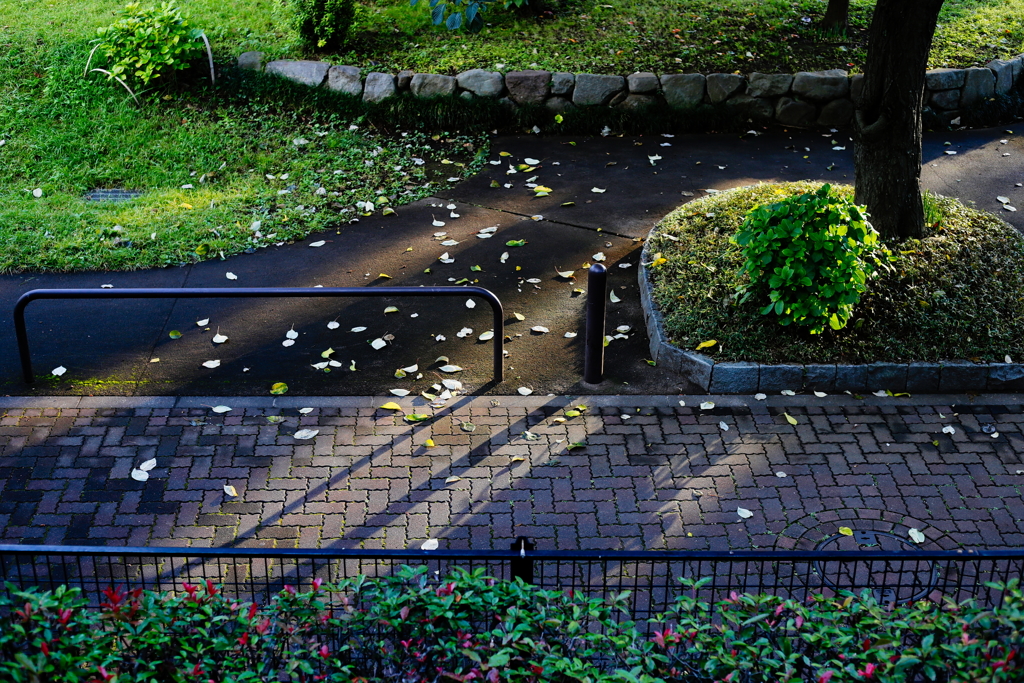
x=653, y=474
x=109, y=349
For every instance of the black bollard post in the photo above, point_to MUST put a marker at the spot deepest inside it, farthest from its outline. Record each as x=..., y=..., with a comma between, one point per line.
x=522, y=567
x=593, y=352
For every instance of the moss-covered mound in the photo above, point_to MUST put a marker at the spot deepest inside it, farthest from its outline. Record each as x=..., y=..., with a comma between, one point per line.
x=958, y=293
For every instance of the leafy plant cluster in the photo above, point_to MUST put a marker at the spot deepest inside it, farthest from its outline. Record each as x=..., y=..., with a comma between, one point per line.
x=150, y=43
x=953, y=294
x=456, y=14
x=324, y=24
x=811, y=256
x=417, y=627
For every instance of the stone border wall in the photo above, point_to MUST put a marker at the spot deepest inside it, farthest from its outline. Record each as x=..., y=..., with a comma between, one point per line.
x=807, y=99
x=955, y=376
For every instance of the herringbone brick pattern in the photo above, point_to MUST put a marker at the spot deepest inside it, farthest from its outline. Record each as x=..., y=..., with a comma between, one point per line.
x=652, y=475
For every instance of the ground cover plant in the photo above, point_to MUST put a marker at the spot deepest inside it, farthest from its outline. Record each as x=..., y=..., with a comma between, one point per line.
x=667, y=36
x=954, y=294
x=469, y=627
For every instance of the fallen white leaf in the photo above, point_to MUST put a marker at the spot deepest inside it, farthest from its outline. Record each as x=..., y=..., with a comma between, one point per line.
x=358, y=329
x=781, y=475
x=613, y=297
x=949, y=429
x=598, y=190
x=220, y=409
x=438, y=224
x=880, y=393
x=203, y=323
x=707, y=405
x=412, y=368
x=318, y=243
x=470, y=303
x=820, y=394
x=599, y=256
x=305, y=434
x=37, y=193
x=450, y=368
x=760, y=397
x=291, y=334
x=140, y=475
x=211, y=364
x=523, y=391
x=916, y=536
x=531, y=162
x=219, y=338
x=744, y=513
x=230, y=490
x=59, y=370
x=400, y=392
x=724, y=427
x=378, y=344
x=486, y=336
x=788, y=392
x=429, y=544
x=231, y=276
x=539, y=328
x=570, y=335
x=288, y=342
x=452, y=384
x=305, y=411
x=622, y=328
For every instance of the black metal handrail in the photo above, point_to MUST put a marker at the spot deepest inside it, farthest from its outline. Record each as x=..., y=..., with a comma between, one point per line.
x=21, y=331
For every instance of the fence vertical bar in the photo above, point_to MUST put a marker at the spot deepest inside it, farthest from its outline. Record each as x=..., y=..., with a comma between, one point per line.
x=522, y=567
x=593, y=353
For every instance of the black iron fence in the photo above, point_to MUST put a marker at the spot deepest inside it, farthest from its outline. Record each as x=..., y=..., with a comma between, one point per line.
x=651, y=577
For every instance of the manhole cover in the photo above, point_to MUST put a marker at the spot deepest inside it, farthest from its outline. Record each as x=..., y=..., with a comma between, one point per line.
x=111, y=195
x=902, y=578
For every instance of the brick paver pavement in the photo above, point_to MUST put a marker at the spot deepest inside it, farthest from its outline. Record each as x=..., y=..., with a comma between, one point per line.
x=653, y=474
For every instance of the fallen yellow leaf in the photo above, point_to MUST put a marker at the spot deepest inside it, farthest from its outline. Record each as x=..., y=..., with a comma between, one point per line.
x=707, y=344
x=846, y=531
x=391, y=405
x=789, y=418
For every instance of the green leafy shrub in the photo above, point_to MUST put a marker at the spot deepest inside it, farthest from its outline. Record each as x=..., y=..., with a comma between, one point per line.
x=416, y=627
x=810, y=255
x=468, y=14
x=324, y=24
x=148, y=44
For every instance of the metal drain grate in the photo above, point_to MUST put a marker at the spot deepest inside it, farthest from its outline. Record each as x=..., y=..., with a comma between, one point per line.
x=111, y=195
x=902, y=578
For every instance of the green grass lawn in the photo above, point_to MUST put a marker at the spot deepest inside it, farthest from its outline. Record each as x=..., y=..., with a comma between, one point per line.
x=667, y=36
x=64, y=133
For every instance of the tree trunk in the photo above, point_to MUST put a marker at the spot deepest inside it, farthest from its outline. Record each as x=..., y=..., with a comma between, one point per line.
x=887, y=130
x=837, y=15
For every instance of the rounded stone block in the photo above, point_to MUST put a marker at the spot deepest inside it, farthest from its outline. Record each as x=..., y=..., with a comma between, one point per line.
x=251, y=61
x=428, y=86
x=769, y=85
x=1002, y=69
x=528, y=87
x=757, y=109
x=642, y=83
x=594, y=89
x=836, y=113
x=683, y=90
x=378, y=86
x=979, y=84
x=822, y=86
x=790, y=112
x=944, y=79
x=945, y=99
x=305, y=72
x=562, y=83
x=481, y=83
x=345, y=79
x=404, y=78
x=723, y=86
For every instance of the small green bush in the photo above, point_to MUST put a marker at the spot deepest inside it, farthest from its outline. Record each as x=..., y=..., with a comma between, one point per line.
x=810, y=255
x=324, y=24
x=148, y=44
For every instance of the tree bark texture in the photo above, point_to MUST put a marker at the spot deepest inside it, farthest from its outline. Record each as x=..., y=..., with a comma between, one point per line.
x=837, y=14
x=887, y=130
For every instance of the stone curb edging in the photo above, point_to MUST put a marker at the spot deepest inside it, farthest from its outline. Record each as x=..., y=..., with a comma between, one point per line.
x=806, y=99
x=953, y=376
